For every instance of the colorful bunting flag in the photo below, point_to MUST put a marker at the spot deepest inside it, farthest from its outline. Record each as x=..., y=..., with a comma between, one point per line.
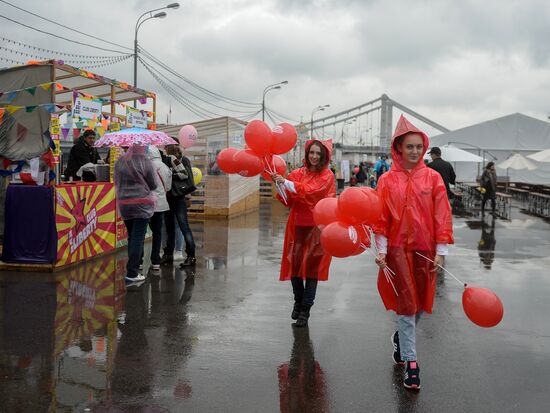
x=31, y=90
x=30, y=109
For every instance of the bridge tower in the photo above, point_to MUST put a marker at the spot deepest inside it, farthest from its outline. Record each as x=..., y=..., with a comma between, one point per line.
x=386, y=119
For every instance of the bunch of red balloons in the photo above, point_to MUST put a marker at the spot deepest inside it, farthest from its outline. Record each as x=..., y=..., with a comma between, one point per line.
x=264, y=146
x=345, y=221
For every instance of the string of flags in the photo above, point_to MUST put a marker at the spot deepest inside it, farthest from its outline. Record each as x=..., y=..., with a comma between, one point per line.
x=112, y=59
x=9, y=96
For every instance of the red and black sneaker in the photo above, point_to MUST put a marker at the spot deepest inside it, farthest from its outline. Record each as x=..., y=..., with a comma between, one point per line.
x=412, y=376
x=396, y=356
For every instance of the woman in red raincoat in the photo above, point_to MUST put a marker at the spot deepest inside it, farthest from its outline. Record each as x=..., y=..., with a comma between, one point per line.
x=416, y=221
x=304, y=262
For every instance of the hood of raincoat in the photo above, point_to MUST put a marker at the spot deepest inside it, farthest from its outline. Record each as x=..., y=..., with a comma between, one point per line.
x=163, y=176
x=326, y=144
x=403, y=127
x=153, y=153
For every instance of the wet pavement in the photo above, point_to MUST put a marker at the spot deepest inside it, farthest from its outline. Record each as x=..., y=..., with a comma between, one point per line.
x=219, y=338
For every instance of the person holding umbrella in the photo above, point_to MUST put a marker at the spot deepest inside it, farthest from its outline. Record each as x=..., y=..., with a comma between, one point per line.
x=135, y=181
x=416, y=221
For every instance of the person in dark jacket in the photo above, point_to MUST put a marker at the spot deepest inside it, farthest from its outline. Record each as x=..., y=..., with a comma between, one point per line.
x=182, y=186
x=444, y=168
x=82, y=152
x=488, y=182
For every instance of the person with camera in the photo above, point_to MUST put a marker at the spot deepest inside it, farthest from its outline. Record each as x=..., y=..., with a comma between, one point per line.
x=179, y=201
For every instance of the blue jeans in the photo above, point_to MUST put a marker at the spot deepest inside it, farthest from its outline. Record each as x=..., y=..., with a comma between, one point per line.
x=178, y=208
x=136, y=228
x=304, y=291
x=155, y=223
x=406, y=325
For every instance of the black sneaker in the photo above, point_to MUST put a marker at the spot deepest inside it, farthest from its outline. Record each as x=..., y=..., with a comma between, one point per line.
x=396, y=356
x=167, y=259
x=189, y=262
x=412, y=376
x=296, y=311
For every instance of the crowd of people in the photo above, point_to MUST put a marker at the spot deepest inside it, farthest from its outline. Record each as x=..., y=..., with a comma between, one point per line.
x=153, y=187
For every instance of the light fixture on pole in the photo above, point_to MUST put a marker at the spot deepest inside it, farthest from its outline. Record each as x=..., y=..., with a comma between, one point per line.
x=267, y=89
x=317, y=109
x=139, y=22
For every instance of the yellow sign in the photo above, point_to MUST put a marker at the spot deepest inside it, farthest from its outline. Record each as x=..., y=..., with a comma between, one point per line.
x=114, y=154
x=115, y=126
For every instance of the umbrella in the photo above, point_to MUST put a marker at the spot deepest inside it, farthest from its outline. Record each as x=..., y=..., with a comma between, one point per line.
x=542, y=156
x=135, y=137
x=451, y=153
x=517, y=161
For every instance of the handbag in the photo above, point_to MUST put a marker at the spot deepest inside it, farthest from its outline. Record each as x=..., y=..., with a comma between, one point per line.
x=182, y=187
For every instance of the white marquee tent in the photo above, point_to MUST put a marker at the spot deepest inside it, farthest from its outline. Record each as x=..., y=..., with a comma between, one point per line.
x=500, y=138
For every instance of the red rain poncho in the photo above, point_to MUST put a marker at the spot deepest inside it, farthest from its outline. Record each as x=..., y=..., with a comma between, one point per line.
x=416, y=216
x=303, y=255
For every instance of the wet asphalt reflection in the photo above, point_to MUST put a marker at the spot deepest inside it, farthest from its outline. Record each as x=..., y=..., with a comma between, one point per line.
x=218, y=338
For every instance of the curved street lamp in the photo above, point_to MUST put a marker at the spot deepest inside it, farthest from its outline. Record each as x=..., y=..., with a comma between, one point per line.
x=317, y=109
x=267, y=89
x=139, y=22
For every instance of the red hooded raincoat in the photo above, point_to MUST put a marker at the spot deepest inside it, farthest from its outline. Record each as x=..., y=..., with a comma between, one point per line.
x=303, y=255
x=416, y=215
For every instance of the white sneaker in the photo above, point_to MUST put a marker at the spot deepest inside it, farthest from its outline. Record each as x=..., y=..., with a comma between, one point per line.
x=137, y=279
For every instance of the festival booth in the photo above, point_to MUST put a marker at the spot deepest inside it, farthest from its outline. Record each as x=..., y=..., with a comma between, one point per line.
x=219, y=194
x=44, y=105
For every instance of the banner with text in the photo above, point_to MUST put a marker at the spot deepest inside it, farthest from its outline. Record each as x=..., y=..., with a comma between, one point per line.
x=85, y=221
x=87, y=108
x=136, y=118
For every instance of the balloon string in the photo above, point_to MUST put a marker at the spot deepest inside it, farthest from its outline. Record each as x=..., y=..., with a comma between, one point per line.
x=444, y=269
x=268, y=166
x=388, y=272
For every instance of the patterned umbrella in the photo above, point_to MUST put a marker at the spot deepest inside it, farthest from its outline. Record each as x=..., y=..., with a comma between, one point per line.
x=135, y=137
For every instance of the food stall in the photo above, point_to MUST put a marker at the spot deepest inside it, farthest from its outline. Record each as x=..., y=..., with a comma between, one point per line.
x=43, y=106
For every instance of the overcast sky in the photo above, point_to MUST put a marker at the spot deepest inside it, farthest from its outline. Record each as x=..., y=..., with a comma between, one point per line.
x=456, y=62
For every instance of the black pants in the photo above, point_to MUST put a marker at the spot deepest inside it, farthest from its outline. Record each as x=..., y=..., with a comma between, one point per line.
x=304, y=291
x=487, y=196
x=155, y=223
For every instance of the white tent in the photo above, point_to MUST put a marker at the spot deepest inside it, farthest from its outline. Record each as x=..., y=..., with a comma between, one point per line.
x=542, y=156
x=451, y=153
x=498, y=139
x=517, y=162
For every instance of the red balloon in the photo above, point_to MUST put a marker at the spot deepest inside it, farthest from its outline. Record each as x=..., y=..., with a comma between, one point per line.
x=275, y=161
x=247, y=163
x=283, y=138
x=373, y=212
x=341, y=240
x=356, y=170
x=225, y=160
x=482, y=306
x=353, y=204
x=258, y=137
x=326, y=211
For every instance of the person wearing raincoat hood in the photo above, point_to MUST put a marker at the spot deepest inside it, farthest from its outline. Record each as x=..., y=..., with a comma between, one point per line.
x=416, y=221
x=304, y=262
x=134, y=185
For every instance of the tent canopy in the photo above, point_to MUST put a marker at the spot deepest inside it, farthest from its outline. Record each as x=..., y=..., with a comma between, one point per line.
x=498, y=139
x=451, y=153
x=518, y=162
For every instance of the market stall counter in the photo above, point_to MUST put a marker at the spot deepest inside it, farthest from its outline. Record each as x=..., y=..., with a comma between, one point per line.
x=55, y=226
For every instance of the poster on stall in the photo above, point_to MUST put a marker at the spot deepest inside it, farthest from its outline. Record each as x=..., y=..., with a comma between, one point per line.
x=87, y=108
x=85, y=220
x=345, y=170
x=121, y=231
x=55, y=130
x=136, y=118
x=114, y=153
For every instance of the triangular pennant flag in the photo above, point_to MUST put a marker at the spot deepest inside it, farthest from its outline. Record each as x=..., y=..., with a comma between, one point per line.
x=100, y=131
x=29, y=109
x=104, y=123
x=79, y=124
x=1, y=114
x=10, y=96
x=76, y=133
x=31, y=90
x=91, y=124
x=12, y=109
x=21, y=132
x=59, y=87
x=46, y=86
x=64, y=132
x=50, y=107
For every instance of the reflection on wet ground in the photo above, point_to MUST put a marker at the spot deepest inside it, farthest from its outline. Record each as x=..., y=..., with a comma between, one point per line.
x=219, y=338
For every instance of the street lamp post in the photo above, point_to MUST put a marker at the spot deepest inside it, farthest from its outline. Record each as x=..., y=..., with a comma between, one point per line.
x=317, y=109
x=139, y=22
x=267, y=89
